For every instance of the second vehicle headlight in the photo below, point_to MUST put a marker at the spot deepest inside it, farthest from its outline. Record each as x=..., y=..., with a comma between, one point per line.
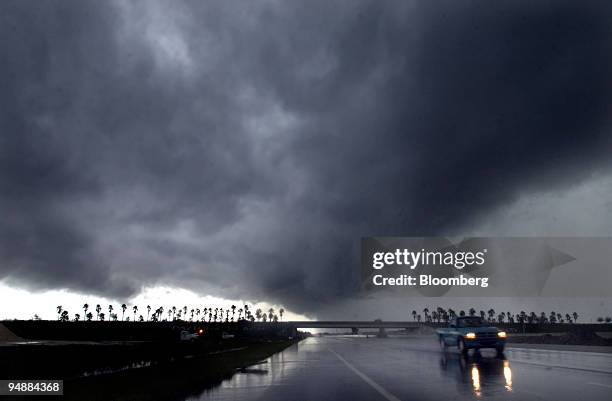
x=470, y=336
x=502, y=334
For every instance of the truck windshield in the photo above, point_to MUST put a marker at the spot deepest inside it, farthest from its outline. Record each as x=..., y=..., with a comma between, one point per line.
x=470, y=322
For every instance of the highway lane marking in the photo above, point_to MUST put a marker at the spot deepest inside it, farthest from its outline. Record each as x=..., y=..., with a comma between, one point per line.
x=372, y=383
x=601, y=384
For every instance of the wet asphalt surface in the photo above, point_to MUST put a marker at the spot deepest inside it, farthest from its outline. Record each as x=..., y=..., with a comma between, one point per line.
x=358, y=368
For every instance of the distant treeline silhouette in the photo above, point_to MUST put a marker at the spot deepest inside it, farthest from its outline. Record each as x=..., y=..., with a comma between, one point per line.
x=210, y=314
x=171, y=314
x=439, y=315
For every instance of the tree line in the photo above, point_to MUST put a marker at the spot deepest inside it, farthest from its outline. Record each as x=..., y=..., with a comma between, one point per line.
x=171, y=314
x=439, y=315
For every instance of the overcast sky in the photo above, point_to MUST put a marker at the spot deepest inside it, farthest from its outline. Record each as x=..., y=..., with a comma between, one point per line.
x=241, y=149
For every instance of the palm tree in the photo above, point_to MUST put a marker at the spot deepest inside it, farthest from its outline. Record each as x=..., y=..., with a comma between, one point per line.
x=575, y=315
x=173, y=312
x=77, y=317
x=140, y=318
x=530, y=317
x=110, y=311
x=101, y=317
x=461, y=313
x=89, y=316
x=185, y=310
x=197, y=313
x=440, y=313
x=491, y=313
x=123, y=308
x=233, y=311
x=98, y=310
x=414, y=313
x=64, y=316
x=258, y=314
x=270, y=313
x=239, y=314
x=134, y=309
x=59, y=312
x=85, y=307
x=472, y=311
x=246, y=310
x=148, y=311
x=281, y=312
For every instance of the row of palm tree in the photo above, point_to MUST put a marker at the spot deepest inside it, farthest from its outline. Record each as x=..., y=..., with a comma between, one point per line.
x=206, y=314
x=439, y=315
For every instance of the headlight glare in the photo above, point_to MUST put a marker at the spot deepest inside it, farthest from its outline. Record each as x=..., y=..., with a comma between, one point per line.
x=470, y=336
x=502, y=334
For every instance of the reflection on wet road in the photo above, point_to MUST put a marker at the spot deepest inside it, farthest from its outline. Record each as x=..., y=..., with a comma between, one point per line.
x=357, y=368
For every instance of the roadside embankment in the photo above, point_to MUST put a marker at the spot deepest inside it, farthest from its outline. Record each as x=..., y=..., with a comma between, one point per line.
x=175, y=380
x=562, y=347
x=81, y=359
x=7, y=335
x=571, y=338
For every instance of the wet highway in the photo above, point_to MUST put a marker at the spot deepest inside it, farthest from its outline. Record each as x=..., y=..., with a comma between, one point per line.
x=358, y=368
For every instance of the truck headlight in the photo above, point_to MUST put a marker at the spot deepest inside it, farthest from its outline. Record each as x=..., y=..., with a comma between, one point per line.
x=502, y=334
x=470, y=336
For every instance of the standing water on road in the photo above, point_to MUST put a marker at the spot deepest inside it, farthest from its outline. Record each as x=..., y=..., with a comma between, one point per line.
x=406, y=368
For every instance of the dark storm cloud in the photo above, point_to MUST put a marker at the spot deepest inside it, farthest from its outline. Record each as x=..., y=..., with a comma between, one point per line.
x=242, y=149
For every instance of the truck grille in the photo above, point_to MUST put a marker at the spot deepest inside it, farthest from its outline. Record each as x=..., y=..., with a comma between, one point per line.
x=491, y=335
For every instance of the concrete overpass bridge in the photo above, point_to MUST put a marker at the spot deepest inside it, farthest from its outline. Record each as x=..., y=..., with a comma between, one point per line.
x=355, y=325
x=347, y=324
